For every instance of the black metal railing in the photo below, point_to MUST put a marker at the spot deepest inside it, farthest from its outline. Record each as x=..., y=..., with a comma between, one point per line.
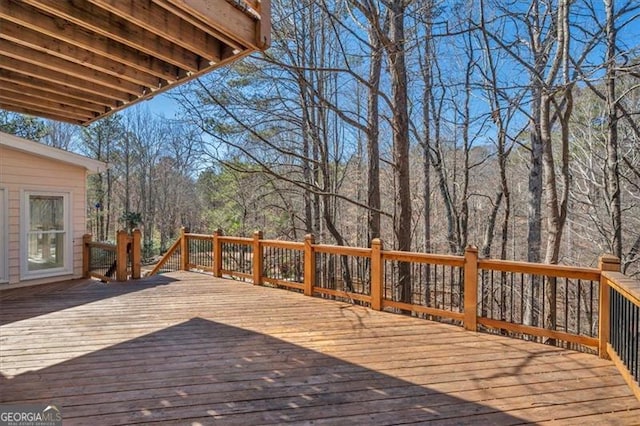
x=563, y=304
x=237, y=259
x=551, y=304
x=282, y=265
x=344, y=273
x=625, y=332
x=432, y=282
x=434, y=286
x=102, y=260
x=172, y=262
x=108, y=261
x=200, y=249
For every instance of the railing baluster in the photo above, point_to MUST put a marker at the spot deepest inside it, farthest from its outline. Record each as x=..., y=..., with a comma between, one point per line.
x=543, y=303
x=491, y=295
x=452, y=289
x=626, y=330
x=443, y=302
x=511, y=286
x=522, y=298
x=591, y=315
x=578, y=310
x=566, y=304
x=501, y=298
x=461, y=283
x=633, y=337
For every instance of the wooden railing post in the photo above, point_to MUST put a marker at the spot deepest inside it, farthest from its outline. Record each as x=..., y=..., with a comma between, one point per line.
x=217, y=253
x=309, y=265
x=86, y=255
x=184, y=250
x=136, y=249
x=377, y=272
x=607, y=262
x=122, y=239
x=257, y=258
x=471, y=288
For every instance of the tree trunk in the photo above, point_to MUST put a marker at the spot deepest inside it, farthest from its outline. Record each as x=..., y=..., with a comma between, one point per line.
x=534, y=202
x=373, y=149
x=400, y=124
x=613, y=176
x=556, y=204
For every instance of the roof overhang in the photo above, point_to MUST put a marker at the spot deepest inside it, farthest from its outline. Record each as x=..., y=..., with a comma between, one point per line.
x=34, y=148
x=80, y=60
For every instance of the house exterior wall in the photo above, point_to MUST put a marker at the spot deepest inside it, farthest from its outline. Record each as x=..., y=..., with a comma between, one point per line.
x=21, y=172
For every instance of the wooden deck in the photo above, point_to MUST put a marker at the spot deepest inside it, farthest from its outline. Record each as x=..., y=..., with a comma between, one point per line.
x=191, y=349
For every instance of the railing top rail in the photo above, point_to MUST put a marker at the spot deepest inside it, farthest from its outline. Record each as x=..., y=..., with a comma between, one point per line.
x=104, y=246
x=342, y=250
x=438, y=259
x=560, y=271
x=282, y=244
x=199, y=236
x=235, y=240
x=626, y=286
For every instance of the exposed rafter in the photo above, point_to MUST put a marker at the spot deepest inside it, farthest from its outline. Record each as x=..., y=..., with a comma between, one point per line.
x=79, y=60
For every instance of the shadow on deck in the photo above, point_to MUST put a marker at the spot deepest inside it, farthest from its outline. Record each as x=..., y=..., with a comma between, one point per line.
x=198, y=350
x=58, y=296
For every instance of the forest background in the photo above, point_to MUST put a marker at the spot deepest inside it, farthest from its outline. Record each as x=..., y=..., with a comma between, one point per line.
x=513, y=126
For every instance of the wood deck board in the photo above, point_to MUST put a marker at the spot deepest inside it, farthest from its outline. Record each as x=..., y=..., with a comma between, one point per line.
x=186, y=348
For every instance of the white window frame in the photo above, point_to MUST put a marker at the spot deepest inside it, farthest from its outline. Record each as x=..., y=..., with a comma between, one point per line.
x=4, y=229
x=67, y=268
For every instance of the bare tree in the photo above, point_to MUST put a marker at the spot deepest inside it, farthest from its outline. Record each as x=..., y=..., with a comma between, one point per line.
x=62, y=135
x=613, y=176
x=396, y=50
x=100, y=141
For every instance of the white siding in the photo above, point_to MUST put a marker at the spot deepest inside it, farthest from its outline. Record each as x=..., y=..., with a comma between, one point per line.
x=4, y=228
x=19, y=172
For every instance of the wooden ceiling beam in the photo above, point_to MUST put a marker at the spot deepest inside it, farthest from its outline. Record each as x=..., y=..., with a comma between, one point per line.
x=104, y=23
x=90, y=76
x=27, y=16
x=40, y=113
x=263, y=30
x=80, y=60
x=198, y=23
x=48, y=106
x=34, y=40
x=30, y=82
x=159, y=21
x=57, y=77
x=224, y=17
x=48, y=96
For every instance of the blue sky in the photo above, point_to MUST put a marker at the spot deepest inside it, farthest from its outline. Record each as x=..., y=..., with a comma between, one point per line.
x=164, y=105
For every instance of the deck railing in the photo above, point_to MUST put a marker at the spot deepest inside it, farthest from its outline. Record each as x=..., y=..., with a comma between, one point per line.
x=620, y=326
x=436, y=283
x=237, y=258
x=560, y=305
x=282, y=264
x=109, y=262
x=200, y=252
x=544, y=302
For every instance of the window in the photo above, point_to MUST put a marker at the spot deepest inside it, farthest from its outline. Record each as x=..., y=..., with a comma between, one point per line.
x=47, y=248
x=4, y=228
